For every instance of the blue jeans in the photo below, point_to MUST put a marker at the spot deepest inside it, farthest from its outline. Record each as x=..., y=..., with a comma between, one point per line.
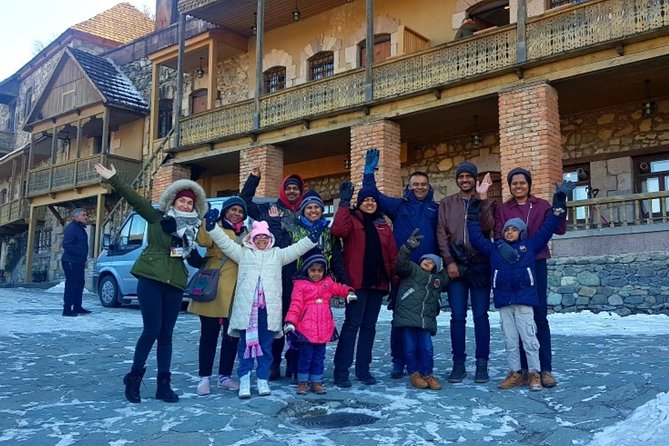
x=265, y=337
x=160, y=304
x=418, y=350
x=459, y=291
x=360, y=316
x=311, y=363
x=541, y=319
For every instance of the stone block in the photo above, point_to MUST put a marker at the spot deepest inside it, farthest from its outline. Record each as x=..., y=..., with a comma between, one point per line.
x=615, y=300
x=622, y=312
x=566, y=290
x=554, y=299
x=645, y=272
x=568, y=280
x=614, y=281
x=588, y=278
x=568, y=300
x=587, y=291
x=582, y=301
x=598, y=299
x=633, y=300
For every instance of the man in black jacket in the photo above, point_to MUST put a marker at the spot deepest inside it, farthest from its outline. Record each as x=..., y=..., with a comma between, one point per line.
x=74, y=261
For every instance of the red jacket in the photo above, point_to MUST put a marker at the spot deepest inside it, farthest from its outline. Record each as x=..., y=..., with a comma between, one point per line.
x=351, y=228
x=309, y=308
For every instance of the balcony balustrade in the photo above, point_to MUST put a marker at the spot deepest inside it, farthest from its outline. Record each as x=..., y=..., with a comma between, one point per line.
x=14, y=211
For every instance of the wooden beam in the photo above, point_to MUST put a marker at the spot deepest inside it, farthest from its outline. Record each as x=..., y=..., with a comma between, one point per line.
x=99, y=218
x=56, y=214
x=32, y=225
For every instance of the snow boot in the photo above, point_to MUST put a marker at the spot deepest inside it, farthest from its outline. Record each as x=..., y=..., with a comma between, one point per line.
x=481, y=375
x=458, y=373
x=132, y=381
x=164, y=390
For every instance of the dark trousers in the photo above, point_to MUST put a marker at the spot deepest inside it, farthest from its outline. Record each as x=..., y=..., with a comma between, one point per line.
x=74, y=284
x=396, y=337
x=311, y=362
x=278, y=344
x=418, y=350
x=160, y=304
x=265, y=340
x=460, y=291
x=359, y=322
x=210, y=327
x=541, y=319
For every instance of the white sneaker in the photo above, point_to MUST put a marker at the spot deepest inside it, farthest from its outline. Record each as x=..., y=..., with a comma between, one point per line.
x=245, y=386
x=225, y=382
x=263, y=387
x=203, y=386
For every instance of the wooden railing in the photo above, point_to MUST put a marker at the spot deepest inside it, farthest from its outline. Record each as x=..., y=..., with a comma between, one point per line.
x=624, y=210
x=578, y=27
x=76, y=173
x=7, y=140
x=14, y=211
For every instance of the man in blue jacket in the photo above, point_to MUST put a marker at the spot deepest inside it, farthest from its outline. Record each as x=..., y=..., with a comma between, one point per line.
x=416, y=209
x=74, y=261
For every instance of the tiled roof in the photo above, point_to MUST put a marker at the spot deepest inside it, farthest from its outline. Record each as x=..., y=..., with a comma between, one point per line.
x=122, y=23
x=114, y=86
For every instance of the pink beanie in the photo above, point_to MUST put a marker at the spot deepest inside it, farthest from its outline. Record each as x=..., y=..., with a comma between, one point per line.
x=260, y=228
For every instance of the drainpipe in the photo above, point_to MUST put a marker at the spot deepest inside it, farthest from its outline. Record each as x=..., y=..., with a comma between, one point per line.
x=177, y=106
x=521, y=47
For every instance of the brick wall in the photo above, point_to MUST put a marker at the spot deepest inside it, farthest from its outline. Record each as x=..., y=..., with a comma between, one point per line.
x=385, y=136
x=165, y=176
x=270, y=160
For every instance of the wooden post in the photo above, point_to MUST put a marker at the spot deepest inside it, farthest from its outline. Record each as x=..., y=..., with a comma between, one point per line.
x=369, y=52
x=79, y=135
x=521, y=46
x=105, y=131
x=178, y=102
x=213, y=85
x=32, y=224
x=99, y=218
x=260, y=33
x=53, y=145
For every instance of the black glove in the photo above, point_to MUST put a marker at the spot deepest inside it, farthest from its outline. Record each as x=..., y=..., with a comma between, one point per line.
x=346, y=193
x=194, y=259
x=317, y=229
x=169, y=225
x=371, y=160
x=414, y=240
x=474, y=209
x=211, y=217
x=507, y=253
x=560, y=195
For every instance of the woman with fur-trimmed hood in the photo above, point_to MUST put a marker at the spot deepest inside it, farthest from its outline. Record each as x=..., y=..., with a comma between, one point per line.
x=161, y=273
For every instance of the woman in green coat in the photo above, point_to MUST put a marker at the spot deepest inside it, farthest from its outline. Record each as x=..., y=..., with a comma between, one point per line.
x=161, y=273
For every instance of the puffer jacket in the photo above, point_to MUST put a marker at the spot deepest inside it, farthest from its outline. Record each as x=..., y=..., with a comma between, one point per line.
x=515, y=283
x=310, y=310
x=155, y=262
x=418, y=300
x=253, y=265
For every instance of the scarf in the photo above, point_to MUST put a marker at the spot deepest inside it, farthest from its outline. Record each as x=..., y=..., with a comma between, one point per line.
x=236, y=227
x=253, y=349
x=187, y=226
x=373, y=270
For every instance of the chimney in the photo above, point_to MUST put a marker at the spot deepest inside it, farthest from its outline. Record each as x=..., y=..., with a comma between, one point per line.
x=166, y=13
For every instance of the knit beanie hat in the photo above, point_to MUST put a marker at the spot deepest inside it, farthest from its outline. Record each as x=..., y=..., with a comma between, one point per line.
x=312, y=257
x=517, y=223
x=367, y=192
x=292, y=180
x=186, y=193
x=438, y=263
x=523, y=172
x=311, y=197
x=466, y=167
x=235, y=200
x=259, y=228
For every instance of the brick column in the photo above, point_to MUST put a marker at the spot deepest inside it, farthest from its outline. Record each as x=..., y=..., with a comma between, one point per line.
x=385, y=136
x=529, y=131
x=270, y=160
x=166, y=175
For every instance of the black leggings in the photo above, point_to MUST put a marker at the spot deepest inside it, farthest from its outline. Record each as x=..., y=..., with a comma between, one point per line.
x=209, y=329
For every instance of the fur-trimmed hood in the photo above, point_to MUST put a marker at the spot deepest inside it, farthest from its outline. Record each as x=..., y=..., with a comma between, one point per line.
x=169, y=194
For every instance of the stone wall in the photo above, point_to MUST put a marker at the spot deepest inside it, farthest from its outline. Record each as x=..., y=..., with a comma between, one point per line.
x=139, y=72
x=233, y=80
x=327, y=187
x=4, y=117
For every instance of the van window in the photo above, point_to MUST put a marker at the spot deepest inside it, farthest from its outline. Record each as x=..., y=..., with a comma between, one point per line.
x=132, y=233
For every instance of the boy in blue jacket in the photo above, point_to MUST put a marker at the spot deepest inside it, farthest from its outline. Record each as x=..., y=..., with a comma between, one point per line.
x=513, y=283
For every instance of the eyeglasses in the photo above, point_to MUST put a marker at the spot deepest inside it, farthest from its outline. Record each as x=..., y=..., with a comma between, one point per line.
x=261, y=237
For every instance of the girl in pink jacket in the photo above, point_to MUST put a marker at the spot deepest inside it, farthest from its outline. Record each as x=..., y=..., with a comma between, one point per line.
x=309, y=319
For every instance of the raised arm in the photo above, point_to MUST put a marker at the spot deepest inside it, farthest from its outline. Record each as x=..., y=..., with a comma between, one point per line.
x=227, y=245
x=140, y=204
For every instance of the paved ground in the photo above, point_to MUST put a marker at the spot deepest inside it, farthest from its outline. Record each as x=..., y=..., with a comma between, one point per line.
x=60, y=384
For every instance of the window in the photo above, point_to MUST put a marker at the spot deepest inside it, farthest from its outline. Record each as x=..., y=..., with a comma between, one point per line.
x=321, y=65
x=11, y=117
x=164, y=117
x=198, y=101
x=381, y=49
x=132, y=234
x=274, y=79
x=653, y=176
x=581, y=176
x=28, y=102
x=3, y=196
x=68, y=100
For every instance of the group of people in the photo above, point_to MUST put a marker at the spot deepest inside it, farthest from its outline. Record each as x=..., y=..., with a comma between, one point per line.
x=277, y=280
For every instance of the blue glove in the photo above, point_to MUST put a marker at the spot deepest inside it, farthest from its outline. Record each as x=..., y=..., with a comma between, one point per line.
x=474, y=209
x=211, y=217
x=317, y=230
x=345, y=193
x=560, y=195
x=371, y=160
x=507, y=253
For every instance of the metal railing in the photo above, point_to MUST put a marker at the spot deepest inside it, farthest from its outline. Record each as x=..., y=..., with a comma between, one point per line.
x=618, y=211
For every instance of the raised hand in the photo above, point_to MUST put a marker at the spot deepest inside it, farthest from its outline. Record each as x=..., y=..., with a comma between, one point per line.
x=567, y=187
x=371, y=160
x=346, y=193
x=560, y=195
x=275, y=212
x=414, y=239
x=211, y=217
x=256, y=170
x=483, y=186
x=104, y=172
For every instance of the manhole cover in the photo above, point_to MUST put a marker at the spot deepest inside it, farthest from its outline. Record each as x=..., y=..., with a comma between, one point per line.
x=336, y=420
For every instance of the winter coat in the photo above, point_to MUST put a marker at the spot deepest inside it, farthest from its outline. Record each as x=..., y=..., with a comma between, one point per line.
x=418, y=299
x=75, y=243
x=155, y=262
x=253, y=265
x=533, y=213
x=408, y=213
x=349, y=226
x=515, y=283
x=452, y=227
x=225, y=291
x=310, y=310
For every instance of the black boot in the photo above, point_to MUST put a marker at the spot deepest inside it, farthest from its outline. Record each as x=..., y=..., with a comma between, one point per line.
x=458, y=373
x=481, y=375
x=132, y=381
x=164, y=391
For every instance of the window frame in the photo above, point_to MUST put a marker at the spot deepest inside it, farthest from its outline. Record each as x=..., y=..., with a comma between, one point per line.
x=321, y=61
x=269, y=75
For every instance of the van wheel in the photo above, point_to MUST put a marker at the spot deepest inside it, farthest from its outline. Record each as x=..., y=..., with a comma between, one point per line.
x=109, y=292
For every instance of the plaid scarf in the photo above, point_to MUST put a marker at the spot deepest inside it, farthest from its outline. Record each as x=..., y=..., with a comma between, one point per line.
x=187, y=226
x=253, y=349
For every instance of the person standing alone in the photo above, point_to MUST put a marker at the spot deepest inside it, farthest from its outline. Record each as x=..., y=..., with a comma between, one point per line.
x=74, y=261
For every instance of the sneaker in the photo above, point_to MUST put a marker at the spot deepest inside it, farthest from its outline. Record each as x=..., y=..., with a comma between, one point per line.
x=343, y=383
x=432, y=382
x=458, y=373
x=513, y=379
x=225, y=382
x=245, y=386
x=263, y=387
x=318, y=388
x=302, y=388
x=535, y=381
x=547, y=379
x=82, y=310
x=203, y=386
x=418, y=381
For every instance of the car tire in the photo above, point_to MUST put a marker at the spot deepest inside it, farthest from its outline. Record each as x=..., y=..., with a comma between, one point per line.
x=108, y=291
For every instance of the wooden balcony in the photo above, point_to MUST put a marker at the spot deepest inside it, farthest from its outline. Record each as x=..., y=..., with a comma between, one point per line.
x=14, y=211
x=7, y=140
x=567, y=30
x=76, y=174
